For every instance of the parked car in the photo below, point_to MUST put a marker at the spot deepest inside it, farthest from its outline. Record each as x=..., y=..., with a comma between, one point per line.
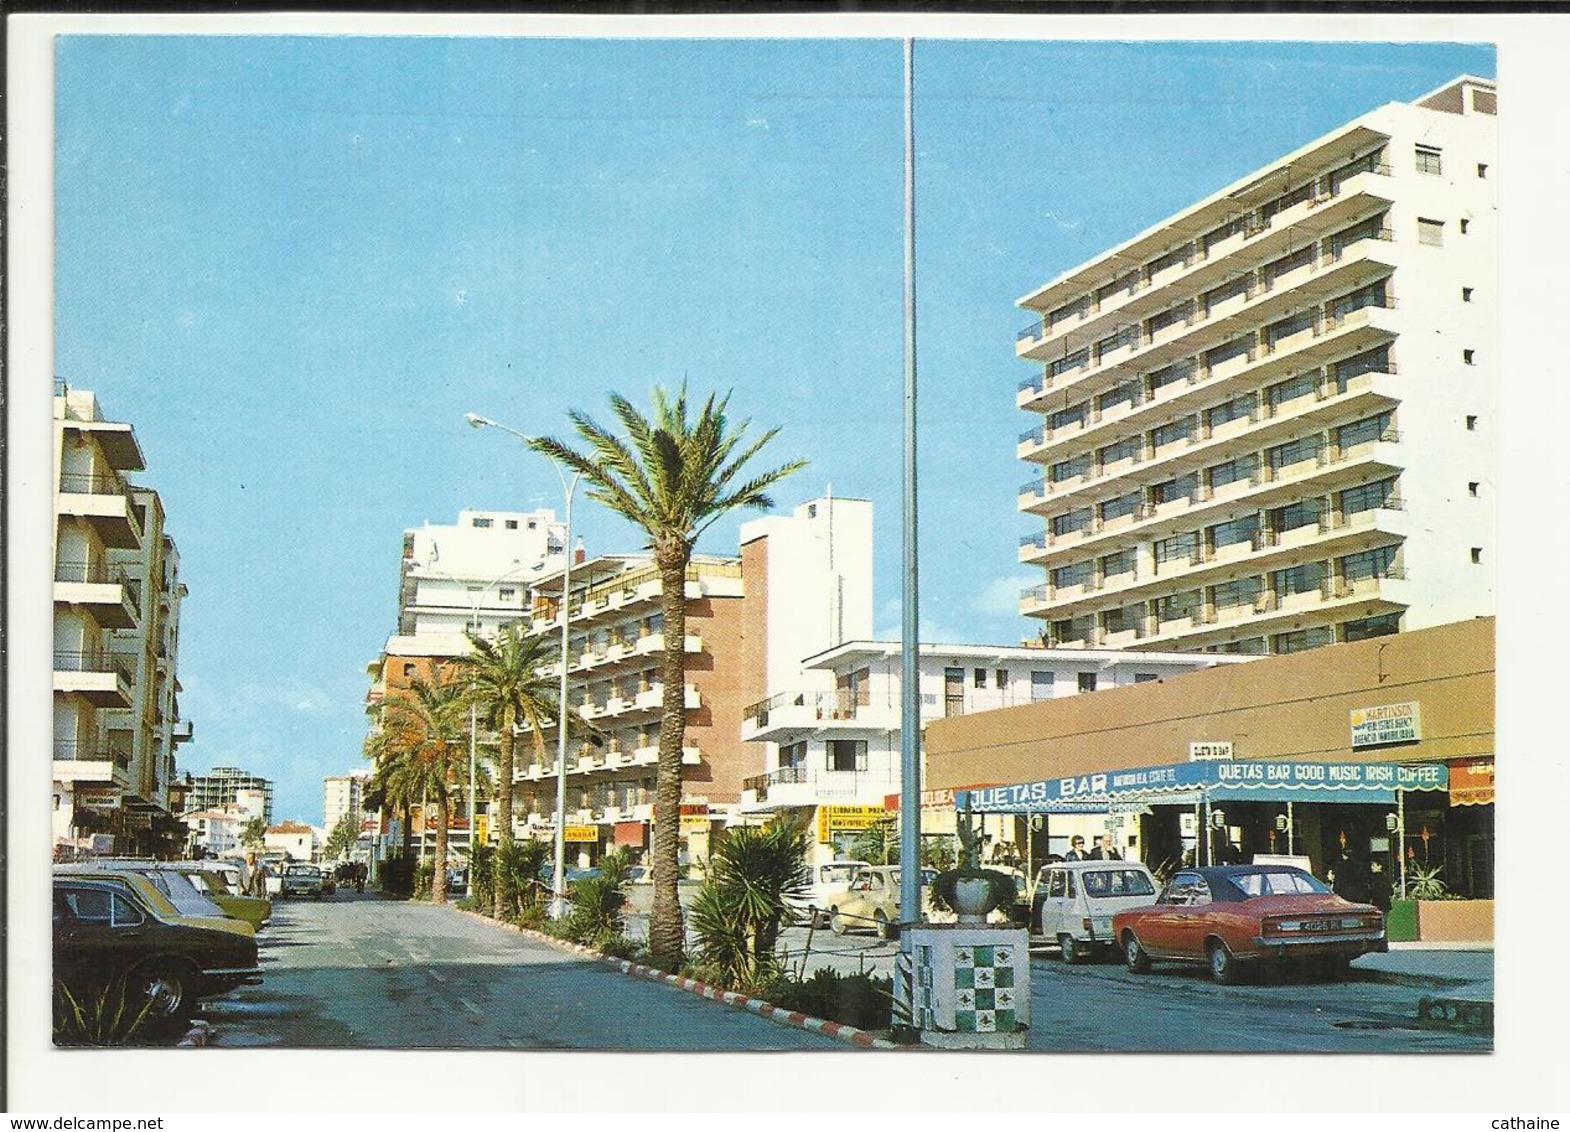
x=1076, y=900
x=110, y=926
x=872, y=901
x=827, y=885
x=301, y=880
x=1233, y=916
x=254, y=910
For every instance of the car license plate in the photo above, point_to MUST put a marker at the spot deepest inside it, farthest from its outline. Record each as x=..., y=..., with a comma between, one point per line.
x=1321, y=925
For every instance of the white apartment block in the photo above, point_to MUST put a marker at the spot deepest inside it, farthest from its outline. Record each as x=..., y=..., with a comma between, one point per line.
x=343, y=794
x=1267, y=423
x=841, y=747
x=476, y=573
x=117, y=597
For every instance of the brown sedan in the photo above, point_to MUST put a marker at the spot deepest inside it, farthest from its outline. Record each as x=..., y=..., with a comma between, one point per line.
x=1233, y=916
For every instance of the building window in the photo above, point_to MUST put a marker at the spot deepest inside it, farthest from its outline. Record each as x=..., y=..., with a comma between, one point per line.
x=1466, y=294
x=1304, y=639
x=1069, y=469
x=1041, y=685
x=1477, y=555
x=1124, y=619
x=979, y=678
x=1169, y=490
x=1234, y=531
x=408, y=671
x=1465, y=224
x=1145, y=677
x=1382, y=626
x=1471, y=488
x=1232, y=410
x=1285, y=392
x=532, y=524
x=1430, y=232
x=506, y=593
x=1123, y=394
x=1087, y=681
x=1000, y=679
x=510, y=524
x=1243, y=468
x=1242, y=592
x=1365, y=431
x=1120, y=563
x=1072, y=416
x=1178, y=607
x=1248, y=646
x=1295, y=452
x=1299, y=579
x=1303, y=513
x=1471, y=423
x=1428, y=159
x=1066, y=577
x=1469, y=357
x=1369, y=564
x=1120, y=505
x=1071, y=521
x=1482, y=170
x=1178, y=430
x=482, y=522
x=1183, y=548
x=847, y=754
x=1125, y=449
x=1368, y=496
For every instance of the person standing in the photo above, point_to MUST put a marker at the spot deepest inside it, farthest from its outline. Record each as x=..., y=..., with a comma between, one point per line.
x=1076, y=849
x=1105, y=850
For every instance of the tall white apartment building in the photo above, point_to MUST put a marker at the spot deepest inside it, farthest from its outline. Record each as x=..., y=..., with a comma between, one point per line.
x=343, y=794
x=117, y=598
x=1267, y=423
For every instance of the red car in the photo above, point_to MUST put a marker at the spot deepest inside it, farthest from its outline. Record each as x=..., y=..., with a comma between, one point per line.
x=1235, y=915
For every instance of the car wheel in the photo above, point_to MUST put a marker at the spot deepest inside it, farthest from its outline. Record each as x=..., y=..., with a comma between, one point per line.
x=168, y=989
x=1069, y=949
x=1223, y=967
x=837, y=922
x=1134, y=956
x=880, y=923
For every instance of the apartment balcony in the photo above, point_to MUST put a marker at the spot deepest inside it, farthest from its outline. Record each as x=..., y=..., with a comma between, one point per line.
x=818, y=711
x=1263, y=241
x=650, y=756
x=95, y=676
x=799, y=786
x=184, y=731
x=103, y=591
x=92, y=761
x=1334, y=536
x=104, y=502
x=1334, y=602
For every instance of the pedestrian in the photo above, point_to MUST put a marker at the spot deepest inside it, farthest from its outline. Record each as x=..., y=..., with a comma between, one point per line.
x=1105, y=850
x=1076, y=849
x=1232, y=854
x=1378, y=886
x=258, y=877
x=1351, y=879
x=359, y=876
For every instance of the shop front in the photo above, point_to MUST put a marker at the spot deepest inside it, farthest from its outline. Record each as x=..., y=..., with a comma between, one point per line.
x=1215, y=811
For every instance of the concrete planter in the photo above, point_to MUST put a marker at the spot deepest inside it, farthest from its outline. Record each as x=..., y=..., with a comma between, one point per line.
x=1455, y=921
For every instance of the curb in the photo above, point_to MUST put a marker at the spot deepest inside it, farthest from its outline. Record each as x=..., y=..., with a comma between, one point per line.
x=200, y=1034
x=861, y=1038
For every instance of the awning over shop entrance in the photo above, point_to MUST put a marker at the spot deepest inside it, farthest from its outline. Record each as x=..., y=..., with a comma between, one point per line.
x=1212, y=780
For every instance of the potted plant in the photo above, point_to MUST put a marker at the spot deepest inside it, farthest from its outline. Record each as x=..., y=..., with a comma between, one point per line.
x=970, y=890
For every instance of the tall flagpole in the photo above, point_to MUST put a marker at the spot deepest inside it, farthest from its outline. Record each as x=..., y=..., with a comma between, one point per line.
x=910, y=690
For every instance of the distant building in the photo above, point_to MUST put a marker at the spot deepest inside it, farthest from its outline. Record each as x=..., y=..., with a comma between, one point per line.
x=296, y=839
x=215, y=833
x=1266, y=424
x=226, y=785
x=343, y=794
x=117, y=596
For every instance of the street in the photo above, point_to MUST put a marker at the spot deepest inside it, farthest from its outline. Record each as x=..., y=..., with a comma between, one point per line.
x=360, y=972
x=364, y=972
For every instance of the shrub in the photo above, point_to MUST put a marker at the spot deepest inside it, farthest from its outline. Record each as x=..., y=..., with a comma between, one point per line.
x=424, y=872
x=597, y=902
x=737, y=914
x=864, y=1001
x=482, y=879
x=516, y=875
x=100, y=1017
x=397, y=876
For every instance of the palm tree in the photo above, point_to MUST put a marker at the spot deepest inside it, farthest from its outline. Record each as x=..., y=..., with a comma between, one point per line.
x=673, y=475
x=425, y=756
x=502, y=677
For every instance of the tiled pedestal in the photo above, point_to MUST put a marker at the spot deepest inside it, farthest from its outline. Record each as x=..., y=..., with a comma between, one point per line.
x=969, y=985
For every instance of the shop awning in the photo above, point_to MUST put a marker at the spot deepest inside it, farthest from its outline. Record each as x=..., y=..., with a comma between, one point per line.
x=1214, y=780
x=1472, y=782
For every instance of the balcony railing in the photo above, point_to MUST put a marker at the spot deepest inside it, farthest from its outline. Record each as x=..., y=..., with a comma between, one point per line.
x=91, y=660
x=822, y=705
x=92, y=751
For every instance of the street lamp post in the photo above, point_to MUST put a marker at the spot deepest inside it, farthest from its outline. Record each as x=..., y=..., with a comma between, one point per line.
x=558, y=881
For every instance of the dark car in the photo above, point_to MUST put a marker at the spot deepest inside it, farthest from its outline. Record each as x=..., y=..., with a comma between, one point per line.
x=110, y=928
x=1234, y=916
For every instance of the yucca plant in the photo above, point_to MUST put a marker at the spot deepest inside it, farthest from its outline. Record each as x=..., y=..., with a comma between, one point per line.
x=1425, y=883
x=517, y=876
x=595, y=918
x=754, y=875
x=101, y=1017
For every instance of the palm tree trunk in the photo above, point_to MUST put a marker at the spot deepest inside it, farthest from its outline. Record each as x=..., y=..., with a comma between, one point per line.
x=504, y=769
x=439, y=864
x=666, y=938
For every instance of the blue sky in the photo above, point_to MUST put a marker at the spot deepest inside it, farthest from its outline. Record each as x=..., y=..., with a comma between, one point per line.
x=295, y=263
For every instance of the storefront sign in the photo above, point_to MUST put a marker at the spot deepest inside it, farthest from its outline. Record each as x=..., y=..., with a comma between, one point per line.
x=1471, y=782
x=1386, y=724
x=629, y=833
x=1215, y=780
x=1211, y=750
x=831, y=818
x=97, y=797
x=930, y=800
x=695, y=823
x=581, y=833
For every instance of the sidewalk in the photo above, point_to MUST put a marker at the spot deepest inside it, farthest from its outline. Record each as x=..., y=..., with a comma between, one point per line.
x=1464, y=971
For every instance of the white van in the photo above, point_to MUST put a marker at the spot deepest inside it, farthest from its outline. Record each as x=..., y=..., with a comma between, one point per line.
x=1075, y=902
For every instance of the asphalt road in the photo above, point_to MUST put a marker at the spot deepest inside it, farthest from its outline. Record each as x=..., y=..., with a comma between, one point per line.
x=352, y=972
x=360, y=972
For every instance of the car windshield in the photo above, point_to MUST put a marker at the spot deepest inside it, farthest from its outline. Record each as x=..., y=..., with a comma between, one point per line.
x=1117, y=882
x=1276, y=882
x=837, y=874
x=300, y=871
